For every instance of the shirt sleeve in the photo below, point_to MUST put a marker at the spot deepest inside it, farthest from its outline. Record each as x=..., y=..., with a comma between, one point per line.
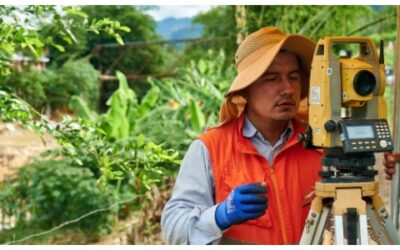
x=189, y=216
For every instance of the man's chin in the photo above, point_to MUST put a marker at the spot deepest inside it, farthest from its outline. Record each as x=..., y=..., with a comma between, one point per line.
x=286, y=116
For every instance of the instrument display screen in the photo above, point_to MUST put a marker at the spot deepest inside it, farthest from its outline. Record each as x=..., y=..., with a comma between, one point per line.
x=370, y=135
x=360, y=132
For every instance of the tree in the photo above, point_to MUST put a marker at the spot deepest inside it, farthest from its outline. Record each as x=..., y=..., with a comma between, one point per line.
x=35, y=29
x=312, y=21
x=38, y=30
x=145, y=60
x=87, y=156
x=142, y=28
x=219, y=22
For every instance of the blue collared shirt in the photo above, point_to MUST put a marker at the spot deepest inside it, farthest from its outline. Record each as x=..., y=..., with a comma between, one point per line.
x=263, y=146
x=189, y=216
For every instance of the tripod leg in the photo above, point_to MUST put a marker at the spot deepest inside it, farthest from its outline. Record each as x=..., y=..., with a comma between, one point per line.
x=381, y=226
x=363, y=223
x=349, y=201
x=375, y=224
x=315, y=223
x=339, y=233
x=389, y=227
x=321, y=226
x=352, y=226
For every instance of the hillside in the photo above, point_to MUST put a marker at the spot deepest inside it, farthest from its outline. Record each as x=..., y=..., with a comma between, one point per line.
x=178, y=28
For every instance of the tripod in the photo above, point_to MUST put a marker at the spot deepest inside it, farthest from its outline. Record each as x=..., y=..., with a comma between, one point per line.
x=348, y=204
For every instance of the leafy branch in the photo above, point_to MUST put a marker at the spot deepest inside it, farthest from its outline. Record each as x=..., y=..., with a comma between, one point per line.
x=33, y=28
x=84, y=143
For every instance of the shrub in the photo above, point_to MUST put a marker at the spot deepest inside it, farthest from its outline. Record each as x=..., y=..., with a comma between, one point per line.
x=30, y=85
x=48, y=193
x=74, y=78
x=56, y=86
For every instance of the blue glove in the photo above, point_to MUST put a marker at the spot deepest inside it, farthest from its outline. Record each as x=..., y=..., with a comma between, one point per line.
x=244, y=203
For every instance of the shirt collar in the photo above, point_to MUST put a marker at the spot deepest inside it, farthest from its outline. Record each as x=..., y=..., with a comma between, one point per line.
x=249, y=130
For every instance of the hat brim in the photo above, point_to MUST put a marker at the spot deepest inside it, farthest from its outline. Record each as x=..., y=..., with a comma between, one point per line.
x=299, y=45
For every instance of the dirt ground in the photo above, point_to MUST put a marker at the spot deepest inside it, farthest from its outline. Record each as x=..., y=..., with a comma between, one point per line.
x=19, y=146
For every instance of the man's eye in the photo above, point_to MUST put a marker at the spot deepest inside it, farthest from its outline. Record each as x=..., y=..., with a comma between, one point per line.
x=294, y=77
x=269, y=78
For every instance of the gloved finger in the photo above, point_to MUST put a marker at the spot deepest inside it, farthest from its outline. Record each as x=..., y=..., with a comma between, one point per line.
x=254, y=208
x=252, y=199
x=250, y=216
x=254, y=188
x=388, y=177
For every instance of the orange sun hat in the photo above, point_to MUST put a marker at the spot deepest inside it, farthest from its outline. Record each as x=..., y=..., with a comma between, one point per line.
x=254, y=56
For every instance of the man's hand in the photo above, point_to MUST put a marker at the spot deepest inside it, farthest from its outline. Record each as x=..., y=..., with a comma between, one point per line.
x=244, y=203
x=390, y=162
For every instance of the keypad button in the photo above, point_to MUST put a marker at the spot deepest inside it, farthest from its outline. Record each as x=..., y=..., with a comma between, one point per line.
x=383, y=143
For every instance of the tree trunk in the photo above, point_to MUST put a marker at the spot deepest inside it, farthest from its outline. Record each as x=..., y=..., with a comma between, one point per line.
x=240, y=17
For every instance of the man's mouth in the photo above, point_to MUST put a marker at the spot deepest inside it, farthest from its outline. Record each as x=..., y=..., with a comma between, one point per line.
x=284, y=104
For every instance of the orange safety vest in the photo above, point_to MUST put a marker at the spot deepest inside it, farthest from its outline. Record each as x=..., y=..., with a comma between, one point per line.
x=290, y=180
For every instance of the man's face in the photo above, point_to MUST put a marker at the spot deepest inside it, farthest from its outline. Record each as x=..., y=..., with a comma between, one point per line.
x=275, y=96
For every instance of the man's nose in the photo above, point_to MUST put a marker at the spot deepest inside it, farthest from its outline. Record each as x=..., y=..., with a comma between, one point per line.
x=287, y=86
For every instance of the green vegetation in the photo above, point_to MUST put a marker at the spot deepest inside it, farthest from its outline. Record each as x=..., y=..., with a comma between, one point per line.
x=190, y=102
x=98, y=157
x=313, y=21
x=56, y=86
x=33, y=29
x=52, y=192
x=120, y=164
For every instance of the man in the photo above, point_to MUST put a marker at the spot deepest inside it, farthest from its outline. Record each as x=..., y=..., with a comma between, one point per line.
x=249, y=180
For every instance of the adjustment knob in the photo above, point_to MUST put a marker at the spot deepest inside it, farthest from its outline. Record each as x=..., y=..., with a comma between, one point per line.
x=303, y=137
x=330, y=125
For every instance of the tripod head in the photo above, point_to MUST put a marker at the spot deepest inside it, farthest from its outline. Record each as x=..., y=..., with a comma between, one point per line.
x=343, y=168
x=347, y=110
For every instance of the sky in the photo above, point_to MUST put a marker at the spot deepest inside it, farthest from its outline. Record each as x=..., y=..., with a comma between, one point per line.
x=177, y=11
x=180, y=7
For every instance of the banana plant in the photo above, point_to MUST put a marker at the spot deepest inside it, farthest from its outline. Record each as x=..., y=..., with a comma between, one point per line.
x=196, y=94
x=124, y=112
x=123, y=101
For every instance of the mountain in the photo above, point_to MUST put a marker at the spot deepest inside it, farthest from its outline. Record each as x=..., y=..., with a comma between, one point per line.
x=178, y=28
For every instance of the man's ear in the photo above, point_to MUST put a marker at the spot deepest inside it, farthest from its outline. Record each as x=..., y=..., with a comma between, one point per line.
x=302, y=112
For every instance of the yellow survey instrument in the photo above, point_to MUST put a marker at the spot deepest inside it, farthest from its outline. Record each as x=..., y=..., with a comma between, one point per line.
x=347, y=120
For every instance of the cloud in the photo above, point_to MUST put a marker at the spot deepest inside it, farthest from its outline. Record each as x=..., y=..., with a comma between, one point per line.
x=176, y=11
